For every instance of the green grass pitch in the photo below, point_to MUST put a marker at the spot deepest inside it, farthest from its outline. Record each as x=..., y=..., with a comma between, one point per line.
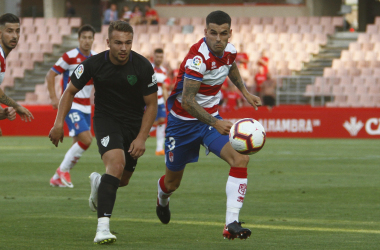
x=302, y=194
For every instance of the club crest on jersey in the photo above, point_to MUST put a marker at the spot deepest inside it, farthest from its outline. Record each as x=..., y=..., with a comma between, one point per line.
x=105, y=140
x=242, y=188
x=79, y=71
x=132, y=79
x=196, y=64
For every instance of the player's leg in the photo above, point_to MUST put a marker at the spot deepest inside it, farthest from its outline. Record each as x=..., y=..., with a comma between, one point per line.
x=160, y=136
x=236, y=182
x=181, y=147
x=79, y=127
x=114, y=161
x=235, y=190
x=167, y=184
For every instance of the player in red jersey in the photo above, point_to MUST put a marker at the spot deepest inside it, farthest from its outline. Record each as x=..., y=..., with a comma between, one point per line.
x=162, y=96
x=194, y=120
x=79, y=118
x=9, y=36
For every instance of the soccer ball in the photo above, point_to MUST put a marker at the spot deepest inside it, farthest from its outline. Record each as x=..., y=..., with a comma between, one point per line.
x=247, y=136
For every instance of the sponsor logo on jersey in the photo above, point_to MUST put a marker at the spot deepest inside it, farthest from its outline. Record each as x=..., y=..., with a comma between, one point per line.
x=240, y=199
x=213, y=65
x=196, y=64
x=154, y=81
x=105, y=140
x=78, y=60
x=79, y=71
x=353, y=127
x=132, y=79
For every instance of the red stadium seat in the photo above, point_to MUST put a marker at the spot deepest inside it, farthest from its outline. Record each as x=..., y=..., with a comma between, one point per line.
x=266, y=20
x=254, y=20
x=325, y=20
x=371, y=29
x=75, y=22
x=314, y=20
x=290, y=20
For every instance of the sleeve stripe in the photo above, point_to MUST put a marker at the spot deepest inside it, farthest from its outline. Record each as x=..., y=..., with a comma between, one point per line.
x=56, y=71
x=193, y=77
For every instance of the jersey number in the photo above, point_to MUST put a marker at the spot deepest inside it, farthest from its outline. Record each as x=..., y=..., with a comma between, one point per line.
x=172, y=143
x=74, y=117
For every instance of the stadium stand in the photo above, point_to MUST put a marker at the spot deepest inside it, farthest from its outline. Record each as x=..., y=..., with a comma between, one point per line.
x=289, y=41
x=356, y=74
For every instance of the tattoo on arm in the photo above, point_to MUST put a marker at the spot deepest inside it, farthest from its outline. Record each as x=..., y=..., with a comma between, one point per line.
x=4, y=99
x=190, y=89
x=235, y=77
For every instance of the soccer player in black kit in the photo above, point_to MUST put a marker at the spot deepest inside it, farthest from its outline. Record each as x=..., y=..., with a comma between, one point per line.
x=125, y=84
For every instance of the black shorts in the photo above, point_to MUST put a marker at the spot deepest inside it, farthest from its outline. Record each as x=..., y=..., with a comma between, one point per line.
x=269, y=100
x=112, y=134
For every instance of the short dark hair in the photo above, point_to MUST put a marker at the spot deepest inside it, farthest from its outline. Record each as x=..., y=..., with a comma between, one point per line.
x=119, y=26
x=86, y=27
x=218, y=17
x=158, y=51
x=9, y=18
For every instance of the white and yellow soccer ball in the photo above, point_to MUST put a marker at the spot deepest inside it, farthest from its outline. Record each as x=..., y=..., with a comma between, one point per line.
x=247, y=136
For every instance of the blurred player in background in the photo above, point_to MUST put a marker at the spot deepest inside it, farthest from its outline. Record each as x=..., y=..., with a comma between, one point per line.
x=162, y=95
x=9, y=36
x=125, y=83
x=78, y=119
x=194, y=120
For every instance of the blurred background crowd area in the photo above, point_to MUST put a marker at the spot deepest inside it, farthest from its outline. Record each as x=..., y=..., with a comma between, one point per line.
x=315, y=52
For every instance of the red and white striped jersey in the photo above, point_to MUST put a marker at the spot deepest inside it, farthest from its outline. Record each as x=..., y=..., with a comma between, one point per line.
x=200, y=64
x=161, y=76
x=2, y=64
x=66, y=65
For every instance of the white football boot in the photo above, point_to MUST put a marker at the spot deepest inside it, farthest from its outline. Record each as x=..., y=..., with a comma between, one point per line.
x=93, y=200
x=104, y=236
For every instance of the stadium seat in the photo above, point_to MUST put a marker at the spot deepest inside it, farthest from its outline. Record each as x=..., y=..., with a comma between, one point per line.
x=363, y=38
x=18, y=73
x=296, y=37
x=152, y=29
x=40, y=21
x=375, y=38
x=269, y=28
x=31, y=98
x=27, y=21
x=293, y=28
x=317, y=29
x=314, y=20
x=266, y=20
x=65, y=30
x=197, y=21
x=325, y=20
x=63, y=21
x=337, y=21
x=257, y=29
x=371, y=29
x=301, y=20
x=290, y=20
x=305, y=28
x=184, y=21
x=75, y=22
x=245, y=28
x=254, y=20
x=31, y=38
x=278, y=20
x=243, y=20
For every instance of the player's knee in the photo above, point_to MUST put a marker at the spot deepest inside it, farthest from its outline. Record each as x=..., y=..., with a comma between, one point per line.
x=86, y=141
x=241, y=161
x=172, y=186
x=116, y=169
x=123, y=182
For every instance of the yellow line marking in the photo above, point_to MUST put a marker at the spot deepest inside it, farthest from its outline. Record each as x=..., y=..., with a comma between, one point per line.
x=218, y=224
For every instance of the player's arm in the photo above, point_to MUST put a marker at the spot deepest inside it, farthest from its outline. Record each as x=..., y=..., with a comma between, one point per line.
x=50, y=79
x=24, y=113
x=190, y=89
x=137, y=147
x=165, y=93
x=236, y=79
x=56, y=133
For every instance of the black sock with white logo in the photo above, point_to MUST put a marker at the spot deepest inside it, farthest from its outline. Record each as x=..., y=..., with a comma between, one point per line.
x=107, y=195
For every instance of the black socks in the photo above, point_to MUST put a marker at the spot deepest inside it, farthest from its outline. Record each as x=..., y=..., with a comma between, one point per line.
x=107, y=195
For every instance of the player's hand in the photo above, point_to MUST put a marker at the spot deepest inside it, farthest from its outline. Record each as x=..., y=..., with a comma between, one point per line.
x=137, y=148
x=254, y=100
x=56, y=135
x=223, y=126
x=54, y=102
x=10, y=112
x=24, y=113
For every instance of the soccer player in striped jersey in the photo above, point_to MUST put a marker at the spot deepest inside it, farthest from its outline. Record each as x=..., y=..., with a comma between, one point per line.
x=79, y=118
x=193, y=120
x=9, y=36
x=162, y=95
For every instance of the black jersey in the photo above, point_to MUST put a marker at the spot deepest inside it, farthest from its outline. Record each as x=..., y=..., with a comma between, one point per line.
x=119, y=89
